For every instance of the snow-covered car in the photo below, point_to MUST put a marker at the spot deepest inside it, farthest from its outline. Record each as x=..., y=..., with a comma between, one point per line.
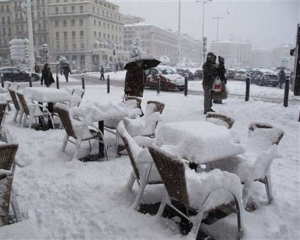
x=169, y=79
x=15, y=74
x=264, y=77
x=241, y=75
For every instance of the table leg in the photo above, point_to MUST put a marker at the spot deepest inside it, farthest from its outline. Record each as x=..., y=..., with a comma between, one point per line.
x=101, y=145
x=51, y=110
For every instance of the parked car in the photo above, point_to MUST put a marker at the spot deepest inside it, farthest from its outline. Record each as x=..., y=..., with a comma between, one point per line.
x=169, y=79
x=241, y=75
x=264, y=77
x=15, y=74
x=185, y=72
x=230, y=74
x=198, y=74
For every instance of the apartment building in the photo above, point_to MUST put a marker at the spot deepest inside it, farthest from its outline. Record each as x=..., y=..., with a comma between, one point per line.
x=160, y=42
x=87, y=33
x=5, y=29
x=236, y=53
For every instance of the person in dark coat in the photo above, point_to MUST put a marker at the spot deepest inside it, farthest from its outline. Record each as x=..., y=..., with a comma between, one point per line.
x=47, y=77
x=66, y=70
x=135, y=80
x=221, y=73
x=281, y=75
x=102, y=73
x=209, y=74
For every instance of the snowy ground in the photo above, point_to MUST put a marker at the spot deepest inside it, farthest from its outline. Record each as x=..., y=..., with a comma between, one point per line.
x=68, y=199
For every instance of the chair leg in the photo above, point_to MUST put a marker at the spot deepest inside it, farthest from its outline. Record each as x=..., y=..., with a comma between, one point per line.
x=131, y=180
x=162, y=205
x=65, y=143
x=140, y=194
x=268, y=189
x=78, y=143
x=16, y=115
x=15, y=207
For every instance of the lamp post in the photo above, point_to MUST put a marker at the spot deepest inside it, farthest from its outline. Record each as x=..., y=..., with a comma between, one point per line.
x=203, y=19
x=218, y=19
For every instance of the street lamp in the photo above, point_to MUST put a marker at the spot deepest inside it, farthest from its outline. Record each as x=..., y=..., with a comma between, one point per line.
x=218, y=19
x=203, y=18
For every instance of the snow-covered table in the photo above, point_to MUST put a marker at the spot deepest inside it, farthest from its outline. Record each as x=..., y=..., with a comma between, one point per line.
x=198, y=141
x=99, y=111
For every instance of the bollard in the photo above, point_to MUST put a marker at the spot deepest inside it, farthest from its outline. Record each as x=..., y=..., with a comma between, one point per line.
x=185, y=85
x=82, y=81
x=108, y=84
x=247, y=89
x=158, y=85
x=57, y=81
x=286, y=92
x=30, y=81
x=2, y=80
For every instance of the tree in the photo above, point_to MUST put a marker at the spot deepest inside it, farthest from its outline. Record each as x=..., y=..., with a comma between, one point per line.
x=136, y=47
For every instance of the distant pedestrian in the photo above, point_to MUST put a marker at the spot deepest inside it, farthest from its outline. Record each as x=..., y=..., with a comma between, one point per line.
x=66, y=70
x=209, y=74
x=102, y=73
x=47, y=77
x=281, y=75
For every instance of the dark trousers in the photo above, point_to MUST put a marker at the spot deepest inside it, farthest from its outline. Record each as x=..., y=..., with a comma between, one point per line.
x=102, y=76
x=207, y=97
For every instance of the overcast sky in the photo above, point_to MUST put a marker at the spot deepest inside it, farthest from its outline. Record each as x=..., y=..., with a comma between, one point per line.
x=265, y=23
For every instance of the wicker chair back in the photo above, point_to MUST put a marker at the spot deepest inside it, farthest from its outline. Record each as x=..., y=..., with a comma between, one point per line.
x=66, y=120
x=228, y=120
x=172, y=173
x=159, y=106
x=23, y=103
x=7, y=155
x=2, y=112
x=6, y=180
x=14, y=99
x=254, y=126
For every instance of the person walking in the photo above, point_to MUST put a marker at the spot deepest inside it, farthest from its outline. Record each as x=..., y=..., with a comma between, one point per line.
x=281, y=75
x=135, y=80
x=102, y=73
x=66, y=71
x=47, y=77
x=209, y=74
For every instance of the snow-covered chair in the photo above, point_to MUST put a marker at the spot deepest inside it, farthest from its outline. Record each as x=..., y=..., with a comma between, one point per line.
x=15, y=102
x=146, y=125
x=144, y=170
x=77, y=95
x=255, y=164
x=33, y=111
x=7, y=196
x=196, y=192
x=2, y=118
x=77, y=131
x=220, y=119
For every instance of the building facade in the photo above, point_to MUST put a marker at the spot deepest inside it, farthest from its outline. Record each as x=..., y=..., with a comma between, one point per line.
x=236, y=53
x=160, y=42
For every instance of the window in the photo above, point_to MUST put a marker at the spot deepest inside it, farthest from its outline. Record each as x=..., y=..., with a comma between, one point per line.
x=66, y=45
x=56, y=10
x=65, y=23
x=65, y=9
x=73, y=9
x=73, y=22
x=56, y=23
x=82, y=46
x=57, y=46
x=81, y=9
x=73, y=34
x=73, y=46
x=57, y=35
x=81, y=34
x=95, y=34
x=81, y=22
x=65, y=35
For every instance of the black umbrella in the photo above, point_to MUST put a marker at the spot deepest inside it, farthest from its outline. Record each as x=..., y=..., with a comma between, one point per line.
x=148, y=62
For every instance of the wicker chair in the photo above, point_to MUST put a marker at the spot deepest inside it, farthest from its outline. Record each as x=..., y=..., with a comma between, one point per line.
x=144, y=171
x=146, y=125
x=272, y=136
x=78, y=94
x=2, y=118
x=138, y=102
x=33, y=111
x=7, y=197
x=176, y=177
x=15, y=102
x=76, y=131
x=216, y=117
x=261, y=148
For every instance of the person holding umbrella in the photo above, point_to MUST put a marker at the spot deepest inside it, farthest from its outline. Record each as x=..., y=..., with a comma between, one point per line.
x=135, y=80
